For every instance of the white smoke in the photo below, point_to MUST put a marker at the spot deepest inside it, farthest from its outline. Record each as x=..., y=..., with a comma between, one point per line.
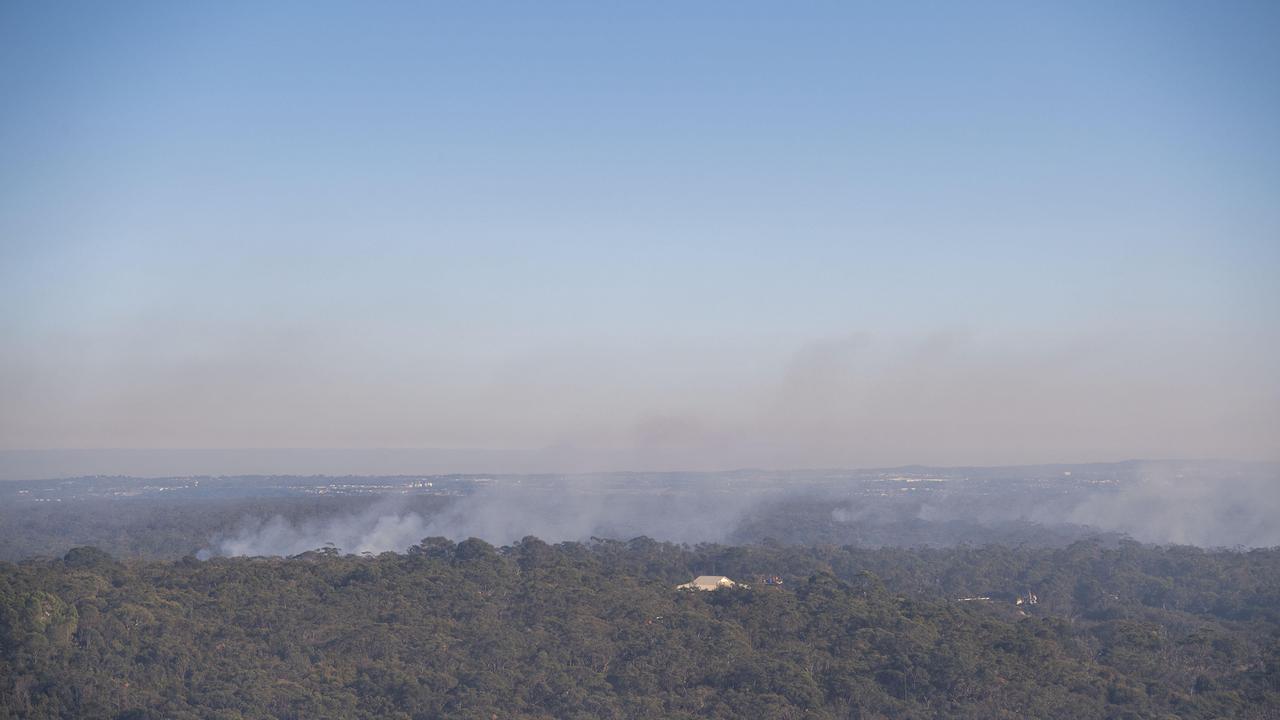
x=1205, y=504
x=379, y=528
x=502, y=514
x=1165, y=503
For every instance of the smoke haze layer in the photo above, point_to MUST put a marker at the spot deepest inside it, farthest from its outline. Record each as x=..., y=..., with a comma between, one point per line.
x=1170, y=505
x=502, y=514
x=1210, y=504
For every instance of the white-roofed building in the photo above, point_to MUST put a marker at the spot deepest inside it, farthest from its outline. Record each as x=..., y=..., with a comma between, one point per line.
x=708, y=582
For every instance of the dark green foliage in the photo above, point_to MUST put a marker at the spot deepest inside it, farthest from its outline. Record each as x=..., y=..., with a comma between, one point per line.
x=534, y=630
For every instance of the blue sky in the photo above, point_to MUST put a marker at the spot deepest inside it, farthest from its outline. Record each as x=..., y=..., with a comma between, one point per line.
x=731, y=234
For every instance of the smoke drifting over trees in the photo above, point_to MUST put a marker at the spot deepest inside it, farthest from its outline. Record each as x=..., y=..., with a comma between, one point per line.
x=1164, y=505
x=503, y=514
x=1205, y=504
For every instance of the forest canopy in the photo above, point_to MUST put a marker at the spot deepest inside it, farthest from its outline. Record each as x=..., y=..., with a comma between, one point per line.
x=598, y=630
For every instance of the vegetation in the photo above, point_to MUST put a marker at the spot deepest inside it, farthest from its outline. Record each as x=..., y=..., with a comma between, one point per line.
x=172, y=529
x=596, y=630
x=162, y=530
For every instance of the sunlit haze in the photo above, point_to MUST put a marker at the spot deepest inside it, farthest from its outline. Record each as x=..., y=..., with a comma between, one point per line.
x=693, y=236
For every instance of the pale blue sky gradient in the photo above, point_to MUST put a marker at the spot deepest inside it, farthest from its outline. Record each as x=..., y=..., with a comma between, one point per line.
x=711, y=236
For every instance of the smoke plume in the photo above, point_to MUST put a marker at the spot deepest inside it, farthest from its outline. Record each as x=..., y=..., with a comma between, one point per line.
x=1166, y=503
x=503, y=514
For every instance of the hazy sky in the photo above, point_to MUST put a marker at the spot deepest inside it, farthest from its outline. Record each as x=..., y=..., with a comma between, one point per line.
x=688, y=234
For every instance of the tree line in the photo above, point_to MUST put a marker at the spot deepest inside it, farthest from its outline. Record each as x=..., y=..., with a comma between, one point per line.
x=597, y=630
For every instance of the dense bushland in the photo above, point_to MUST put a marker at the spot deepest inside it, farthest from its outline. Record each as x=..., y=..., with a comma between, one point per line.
x=596, y=630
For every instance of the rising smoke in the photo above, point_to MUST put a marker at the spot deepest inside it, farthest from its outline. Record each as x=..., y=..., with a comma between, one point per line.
x=503, y=514
x=1205, y=504
x=1168, y=504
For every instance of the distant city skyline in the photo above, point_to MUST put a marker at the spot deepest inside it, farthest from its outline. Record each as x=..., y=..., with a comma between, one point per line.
x=707, y=237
